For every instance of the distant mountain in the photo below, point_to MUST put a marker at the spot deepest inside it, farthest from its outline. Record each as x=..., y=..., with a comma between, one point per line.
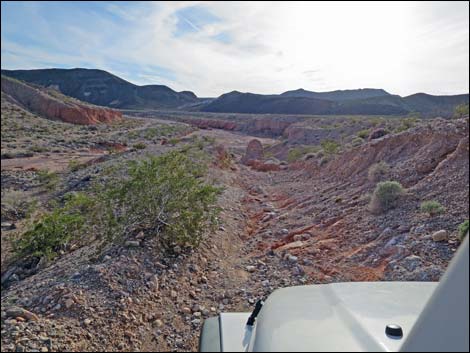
x=436, y=105
x=102, y=88
x=260, y=104
x=361, y=101
x=339, y=95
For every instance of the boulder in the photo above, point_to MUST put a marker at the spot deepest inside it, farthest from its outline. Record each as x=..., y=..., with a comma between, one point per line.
x=377, y=133
x=254, y=151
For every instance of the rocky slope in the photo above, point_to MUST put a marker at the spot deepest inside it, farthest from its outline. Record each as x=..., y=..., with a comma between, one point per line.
x=102, y=88
x=53, y=105
x=303, y=222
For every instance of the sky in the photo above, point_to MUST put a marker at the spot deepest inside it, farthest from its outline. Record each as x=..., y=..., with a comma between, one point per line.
x=213, y=48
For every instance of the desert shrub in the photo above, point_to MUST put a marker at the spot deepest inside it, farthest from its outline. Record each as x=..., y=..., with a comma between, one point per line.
x=357, y=141
x=378, y=172
x=140, y=146
x=48, y=179
x=461, y=110
x=7, y=155
x=38, y=149
x=330, y=146
x=363, y=134
x=167, y=194
x=17, y=204
x=463, y=229
x=49, y=234
x=173, y=141
x=406, y=124
x=294, y=154
x=299, y=152
x=386, y=196
x=75, y=165
x=432, y=208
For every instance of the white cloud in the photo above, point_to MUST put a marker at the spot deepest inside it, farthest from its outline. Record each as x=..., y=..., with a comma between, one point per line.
x=273, y=47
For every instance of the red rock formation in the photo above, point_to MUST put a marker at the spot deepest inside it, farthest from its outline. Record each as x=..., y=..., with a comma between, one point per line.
x=254, y=151
x=264, y=166
x=211, y=123
x=57, y=106
x=413, y=153
x=269, y=126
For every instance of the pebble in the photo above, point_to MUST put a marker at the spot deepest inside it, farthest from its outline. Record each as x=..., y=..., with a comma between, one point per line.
x=68, y=303
x=251, y=268
x=19, y=312
x=440, y=235
x=132, y=243
x=291, y=258
x=87, y=321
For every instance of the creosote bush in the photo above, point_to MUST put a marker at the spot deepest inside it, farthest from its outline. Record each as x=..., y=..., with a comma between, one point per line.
x=165, y=196
x=386, y=196
x=48, y=235
x=432, y=208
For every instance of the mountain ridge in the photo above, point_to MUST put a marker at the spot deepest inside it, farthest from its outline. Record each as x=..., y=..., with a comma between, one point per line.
x=102, y=88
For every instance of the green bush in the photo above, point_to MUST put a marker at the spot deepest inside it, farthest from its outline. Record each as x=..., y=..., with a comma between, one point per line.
x=140, y=146
x=294, y=154
x=406, y=124
x=75, y=165
x=461, y=110
x=463, y=230
x=38, y=149
x=173, y=141
x=54, y=230
x=432, y=208
x=330, y=146
x=363, y=134
x=378, y=172
x=17, y=204
x=386, y=196
x=48, y=179
x=357, y=141
x=165, y=196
